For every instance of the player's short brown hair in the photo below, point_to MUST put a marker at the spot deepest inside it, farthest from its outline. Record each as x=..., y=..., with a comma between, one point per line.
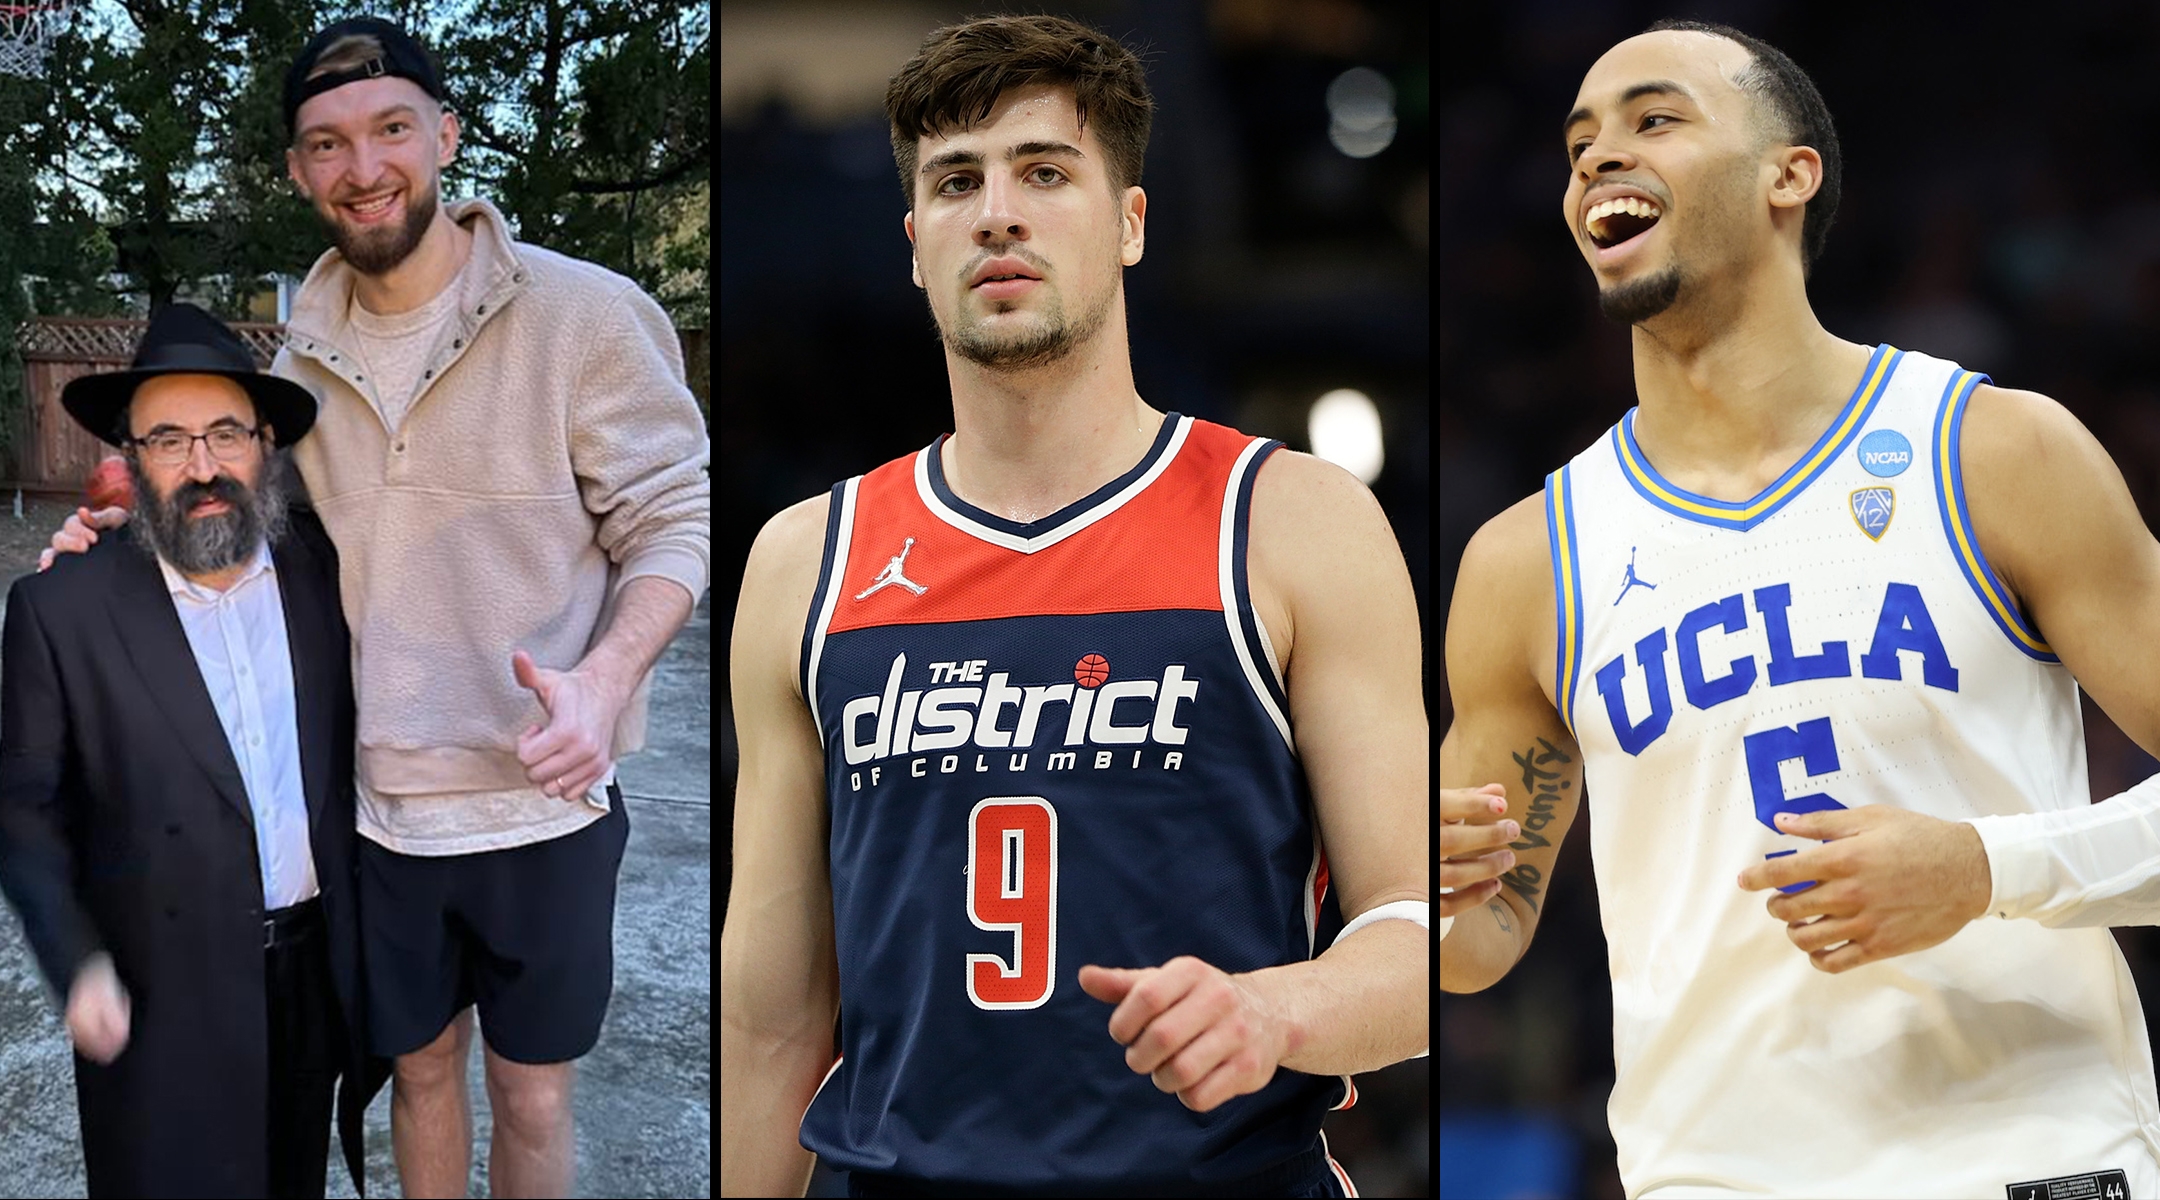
x=955, y=79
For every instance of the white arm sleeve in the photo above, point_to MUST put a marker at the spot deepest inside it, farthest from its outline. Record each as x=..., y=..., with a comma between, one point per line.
x=2094, y=865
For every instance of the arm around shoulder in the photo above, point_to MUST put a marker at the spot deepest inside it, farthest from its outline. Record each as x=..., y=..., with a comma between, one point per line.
x=1499, y=651
x=779, y=977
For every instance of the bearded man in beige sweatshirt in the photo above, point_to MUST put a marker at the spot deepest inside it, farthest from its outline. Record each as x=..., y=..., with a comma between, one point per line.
x=514, y=475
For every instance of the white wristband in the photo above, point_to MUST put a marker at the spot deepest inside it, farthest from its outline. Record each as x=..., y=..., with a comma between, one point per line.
x=1419, y=911
x=1445, y=922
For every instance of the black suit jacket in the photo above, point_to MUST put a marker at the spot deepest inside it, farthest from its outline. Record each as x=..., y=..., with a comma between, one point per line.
x=124, y=826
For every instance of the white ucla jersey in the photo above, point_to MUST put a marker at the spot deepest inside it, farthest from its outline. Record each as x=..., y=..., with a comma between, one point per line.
x=1837, y=641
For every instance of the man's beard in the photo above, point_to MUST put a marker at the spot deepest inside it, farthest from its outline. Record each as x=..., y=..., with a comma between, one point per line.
x=1638, y=301
x=206, y=545
x=1046, y=343
x=375, y=249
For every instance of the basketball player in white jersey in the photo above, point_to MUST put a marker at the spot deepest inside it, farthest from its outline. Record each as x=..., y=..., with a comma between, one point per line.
x=1809, y=587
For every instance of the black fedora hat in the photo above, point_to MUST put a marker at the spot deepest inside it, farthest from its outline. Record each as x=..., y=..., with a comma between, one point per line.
x=184, y=340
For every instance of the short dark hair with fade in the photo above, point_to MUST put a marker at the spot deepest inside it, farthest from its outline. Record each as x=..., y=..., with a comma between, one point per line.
x=1799, y=114
x=955, y=79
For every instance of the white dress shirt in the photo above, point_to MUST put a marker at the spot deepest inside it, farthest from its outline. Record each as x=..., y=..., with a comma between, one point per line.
x=238, y=636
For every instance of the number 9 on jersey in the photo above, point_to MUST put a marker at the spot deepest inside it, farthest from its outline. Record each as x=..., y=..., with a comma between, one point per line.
x=1012, y=887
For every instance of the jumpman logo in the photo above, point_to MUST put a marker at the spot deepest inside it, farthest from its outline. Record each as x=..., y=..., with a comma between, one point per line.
x=1632, y=581
x=893, y=574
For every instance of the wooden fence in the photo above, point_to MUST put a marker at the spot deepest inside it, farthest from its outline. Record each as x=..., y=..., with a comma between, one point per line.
x=54, y=454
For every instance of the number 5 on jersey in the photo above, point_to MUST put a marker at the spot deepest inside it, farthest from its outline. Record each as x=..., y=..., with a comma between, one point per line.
x=1012, y=887
x=1812, y=744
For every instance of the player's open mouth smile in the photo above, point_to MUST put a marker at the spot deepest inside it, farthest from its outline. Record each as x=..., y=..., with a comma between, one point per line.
x=1618, y=225
x=373, y=209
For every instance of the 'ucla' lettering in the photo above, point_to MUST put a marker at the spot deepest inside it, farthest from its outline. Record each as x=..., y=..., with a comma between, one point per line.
x=1730, y=615
x=1906, y=625
x=1832, y=663
x=1902, y=625
x=1650, y=653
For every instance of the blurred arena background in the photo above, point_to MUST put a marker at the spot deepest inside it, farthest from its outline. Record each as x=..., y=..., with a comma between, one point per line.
x=1288, y=179
x=2001, y=208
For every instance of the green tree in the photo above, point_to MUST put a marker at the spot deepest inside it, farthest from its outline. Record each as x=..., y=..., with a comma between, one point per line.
x=160, y=140
x=150, y=160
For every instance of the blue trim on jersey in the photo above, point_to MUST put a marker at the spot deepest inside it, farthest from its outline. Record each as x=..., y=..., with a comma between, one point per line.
x=1028, y=529
x=1248, y=620
x=826, y=567
x=1566, y=553
x=1957, y=521
x=1744, y=515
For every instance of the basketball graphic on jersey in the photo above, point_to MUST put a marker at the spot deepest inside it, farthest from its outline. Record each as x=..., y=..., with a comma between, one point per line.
x=1092, y=671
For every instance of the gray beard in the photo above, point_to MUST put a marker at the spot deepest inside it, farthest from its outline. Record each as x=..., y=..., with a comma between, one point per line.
x=206, y=545
x=1636, y=302
x=378, y=251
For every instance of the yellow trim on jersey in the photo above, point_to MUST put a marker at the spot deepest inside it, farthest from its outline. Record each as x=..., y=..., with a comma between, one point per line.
x=1798, y=479
x=1570, y=603
x=1950, y=480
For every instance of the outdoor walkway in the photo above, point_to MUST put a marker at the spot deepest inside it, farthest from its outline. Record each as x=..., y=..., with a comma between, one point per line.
x=644, y=1096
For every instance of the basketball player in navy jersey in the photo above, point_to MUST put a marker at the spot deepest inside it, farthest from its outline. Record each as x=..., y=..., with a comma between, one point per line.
x=1064, y=738
x=1880, y=582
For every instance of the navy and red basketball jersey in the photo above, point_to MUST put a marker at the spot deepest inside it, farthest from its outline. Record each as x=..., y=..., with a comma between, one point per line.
x=1050, y=744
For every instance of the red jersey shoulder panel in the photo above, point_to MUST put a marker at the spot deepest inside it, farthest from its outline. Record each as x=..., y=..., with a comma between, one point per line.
x=1157, y=548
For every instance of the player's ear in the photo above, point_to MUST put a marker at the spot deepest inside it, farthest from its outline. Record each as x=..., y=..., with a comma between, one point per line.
x=914, y=264
x=1799, y=176
x=447, y=134
x=1132, y=241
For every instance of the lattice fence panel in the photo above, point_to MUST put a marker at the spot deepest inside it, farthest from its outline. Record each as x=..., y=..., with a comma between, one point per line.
x=112, y=340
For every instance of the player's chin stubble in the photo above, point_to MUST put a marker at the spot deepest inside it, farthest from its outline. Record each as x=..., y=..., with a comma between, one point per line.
x=1639, y=300
x=374, y=250
x=1050, y=338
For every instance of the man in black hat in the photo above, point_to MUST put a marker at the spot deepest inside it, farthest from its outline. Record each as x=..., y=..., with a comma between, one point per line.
x=513, y=470
x=176, y=810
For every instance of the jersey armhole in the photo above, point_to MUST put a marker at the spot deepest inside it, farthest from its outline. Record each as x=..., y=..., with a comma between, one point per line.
x=839, y=528
x=1957, y=523
x=1567, y=592
x=1246, y=637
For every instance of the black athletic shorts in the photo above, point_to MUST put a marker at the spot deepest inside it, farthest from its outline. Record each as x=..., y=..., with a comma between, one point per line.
x=526, y=933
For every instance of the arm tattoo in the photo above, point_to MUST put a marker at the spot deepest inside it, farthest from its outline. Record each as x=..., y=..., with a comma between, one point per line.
x=1541, y=777
x=1500, y=914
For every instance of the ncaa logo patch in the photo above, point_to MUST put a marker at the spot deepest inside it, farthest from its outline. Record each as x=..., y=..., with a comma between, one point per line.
x=1885, y=452
x=1872, y=508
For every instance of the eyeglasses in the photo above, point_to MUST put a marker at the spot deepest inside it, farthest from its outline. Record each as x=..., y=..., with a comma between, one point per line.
x=228, y=443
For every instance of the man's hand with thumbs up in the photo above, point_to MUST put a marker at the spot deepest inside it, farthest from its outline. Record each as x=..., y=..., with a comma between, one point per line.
x=574, y=749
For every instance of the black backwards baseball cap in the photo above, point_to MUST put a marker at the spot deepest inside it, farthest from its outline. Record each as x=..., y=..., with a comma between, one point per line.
x=402, y=57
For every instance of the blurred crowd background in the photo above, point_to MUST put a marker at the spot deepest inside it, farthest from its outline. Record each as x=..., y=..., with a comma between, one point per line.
x=1287, y=257
x=2001, y=208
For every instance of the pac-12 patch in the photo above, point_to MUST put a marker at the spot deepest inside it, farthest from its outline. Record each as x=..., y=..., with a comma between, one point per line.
x=2099, y=1185
x=1873, y=507
x=1885, y=452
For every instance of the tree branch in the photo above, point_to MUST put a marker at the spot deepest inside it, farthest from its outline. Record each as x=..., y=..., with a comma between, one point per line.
x=606, y=187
